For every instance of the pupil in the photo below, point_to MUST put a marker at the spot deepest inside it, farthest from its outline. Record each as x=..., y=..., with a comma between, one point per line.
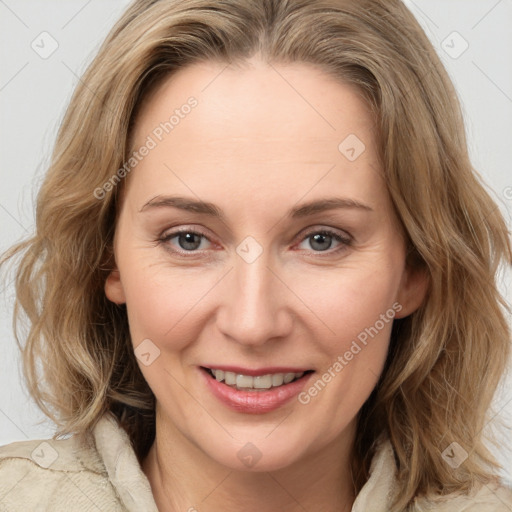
x=320, y=238
x=187, y=239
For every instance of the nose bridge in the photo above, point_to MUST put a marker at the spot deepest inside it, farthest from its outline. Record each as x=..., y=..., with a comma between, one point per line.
x=253, y=307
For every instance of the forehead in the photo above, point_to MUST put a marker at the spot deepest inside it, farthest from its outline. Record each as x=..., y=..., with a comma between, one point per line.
x=278, y=102
x=257, y=126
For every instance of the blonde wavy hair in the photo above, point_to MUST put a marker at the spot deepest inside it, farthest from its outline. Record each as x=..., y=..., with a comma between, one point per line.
x=445, y=360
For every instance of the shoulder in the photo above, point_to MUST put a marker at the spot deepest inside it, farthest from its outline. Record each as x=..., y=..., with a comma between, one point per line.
x=381, y=490
x=51, y=474
x=486, y=498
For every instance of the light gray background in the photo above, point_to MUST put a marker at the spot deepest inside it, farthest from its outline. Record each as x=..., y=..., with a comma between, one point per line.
x=35, y=90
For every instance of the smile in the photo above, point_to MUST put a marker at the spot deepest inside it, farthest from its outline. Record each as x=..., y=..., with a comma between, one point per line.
x=264, y=392
x=248, y=382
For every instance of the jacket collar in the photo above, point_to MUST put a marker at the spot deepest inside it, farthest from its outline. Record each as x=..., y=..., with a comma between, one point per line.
x=134, y=489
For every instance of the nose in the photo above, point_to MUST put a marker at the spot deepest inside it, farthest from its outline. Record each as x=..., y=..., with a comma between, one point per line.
x=256, y=305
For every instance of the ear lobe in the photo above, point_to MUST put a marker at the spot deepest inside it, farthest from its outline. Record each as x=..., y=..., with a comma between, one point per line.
x=413, y=290
x=114, y=287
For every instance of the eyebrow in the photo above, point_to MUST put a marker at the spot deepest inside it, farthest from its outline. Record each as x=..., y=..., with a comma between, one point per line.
x=206, y=208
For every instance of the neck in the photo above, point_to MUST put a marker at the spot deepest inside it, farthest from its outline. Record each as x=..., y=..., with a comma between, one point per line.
x=184, y=478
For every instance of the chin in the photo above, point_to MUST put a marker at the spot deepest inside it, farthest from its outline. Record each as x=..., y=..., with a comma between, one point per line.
x=260, y=452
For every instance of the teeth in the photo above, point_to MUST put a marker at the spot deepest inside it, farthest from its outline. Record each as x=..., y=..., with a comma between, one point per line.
x=277, y=379
x=260, y=382
x=288, y=377
x=244, y=381
x=229, y=377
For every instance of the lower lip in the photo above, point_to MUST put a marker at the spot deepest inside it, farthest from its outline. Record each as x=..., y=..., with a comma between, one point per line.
x=254, y=402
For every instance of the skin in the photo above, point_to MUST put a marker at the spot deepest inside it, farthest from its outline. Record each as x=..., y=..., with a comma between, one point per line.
x=261, y=140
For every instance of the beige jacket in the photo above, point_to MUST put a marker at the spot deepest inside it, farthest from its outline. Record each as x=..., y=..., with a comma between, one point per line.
x=101, y=474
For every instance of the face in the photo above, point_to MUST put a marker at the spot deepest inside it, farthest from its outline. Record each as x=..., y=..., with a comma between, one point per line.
x=268, y=280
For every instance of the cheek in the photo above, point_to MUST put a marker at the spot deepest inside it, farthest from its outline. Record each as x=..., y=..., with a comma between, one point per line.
x=353, y=357
x=348, y=301
x=359, y=306
x=161, y=300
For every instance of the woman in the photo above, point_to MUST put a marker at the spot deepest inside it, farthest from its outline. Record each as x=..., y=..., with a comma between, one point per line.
x=186, y=325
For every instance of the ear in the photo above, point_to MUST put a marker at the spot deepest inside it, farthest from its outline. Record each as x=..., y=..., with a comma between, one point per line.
x=412, y=291
x=114, y=287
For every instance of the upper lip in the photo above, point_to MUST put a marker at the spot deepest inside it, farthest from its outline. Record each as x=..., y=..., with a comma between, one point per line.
x=255, y=372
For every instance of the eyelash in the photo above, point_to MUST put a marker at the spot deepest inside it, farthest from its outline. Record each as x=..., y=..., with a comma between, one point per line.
x=344, y=241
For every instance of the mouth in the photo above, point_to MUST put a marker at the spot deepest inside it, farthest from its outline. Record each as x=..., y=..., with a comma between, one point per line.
x=256, y=383
x=264, y=391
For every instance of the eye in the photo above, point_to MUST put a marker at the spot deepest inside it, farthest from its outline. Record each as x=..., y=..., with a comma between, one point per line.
x=187, y=240
x=322, y=240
